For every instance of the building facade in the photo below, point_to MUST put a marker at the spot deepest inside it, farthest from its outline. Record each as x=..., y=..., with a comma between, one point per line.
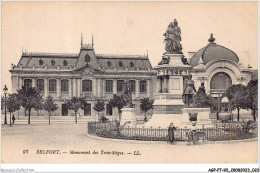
x=86, y=74
x=99, y=76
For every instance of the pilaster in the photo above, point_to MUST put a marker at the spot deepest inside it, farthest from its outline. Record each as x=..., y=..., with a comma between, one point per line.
x=58, y=87
x=137, y=88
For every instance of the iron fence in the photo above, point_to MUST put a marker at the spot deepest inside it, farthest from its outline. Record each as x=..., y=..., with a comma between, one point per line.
x=113, y=130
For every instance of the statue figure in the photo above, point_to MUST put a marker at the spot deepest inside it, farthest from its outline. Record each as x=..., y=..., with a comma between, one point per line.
x=127, y=96
x=188, y=93
x=173, y=38
x=202, y=88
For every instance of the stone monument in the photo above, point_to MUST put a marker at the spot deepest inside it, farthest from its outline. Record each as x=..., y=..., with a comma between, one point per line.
x=128, y=115
x=171, y=73
x=174, y=101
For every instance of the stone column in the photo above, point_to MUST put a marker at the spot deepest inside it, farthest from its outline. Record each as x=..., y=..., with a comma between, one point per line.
x=148, y=87
x=70, y=88
x=19, y=83
x=137, y=88
x=78, y=87
x=161, y=84
x=104, y=88
x=165, y=87
x=114, y=86
x=94, y=87
x=158, y=85
x=33, y=82
x=46, y=88
x=98, y=88
x=74, y=88
x=58, y=87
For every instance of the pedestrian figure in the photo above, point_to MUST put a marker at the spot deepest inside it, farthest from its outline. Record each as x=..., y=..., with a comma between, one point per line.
x=13, y=118
x=145, y=119
x=171, y=133
x=191, y=134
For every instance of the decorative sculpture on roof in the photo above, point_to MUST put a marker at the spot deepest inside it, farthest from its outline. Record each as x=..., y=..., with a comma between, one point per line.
x=127, y=95
x=173, y=38
x=188, y=93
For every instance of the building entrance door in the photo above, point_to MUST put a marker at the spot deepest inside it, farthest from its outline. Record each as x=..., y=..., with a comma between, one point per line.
x=109, y=109
x=87, y=109
x=64, y=110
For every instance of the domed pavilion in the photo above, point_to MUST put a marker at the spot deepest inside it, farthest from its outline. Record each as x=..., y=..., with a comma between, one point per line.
x=218, y=68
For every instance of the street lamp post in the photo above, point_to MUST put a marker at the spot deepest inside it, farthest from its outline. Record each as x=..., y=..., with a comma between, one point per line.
x=5, y=92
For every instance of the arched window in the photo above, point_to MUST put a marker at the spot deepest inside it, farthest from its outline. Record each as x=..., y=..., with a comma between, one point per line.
x=109, y=86
x=40, y=84
x=87, y=58
x=52, y=85
x=52, y=62
x=221, y=81
x=64, y=85
x=143, y=86
x=40, y=62
x=28, y=83
x=131, y=64
x=132, y=85
x=87, y=86
x=120, y=85
x=120, y=64
x=65, y=63
x=109, y=64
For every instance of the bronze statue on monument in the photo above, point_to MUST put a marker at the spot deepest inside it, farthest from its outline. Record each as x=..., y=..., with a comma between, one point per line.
x=173, y=38
x=188, y=94
x=127, y=95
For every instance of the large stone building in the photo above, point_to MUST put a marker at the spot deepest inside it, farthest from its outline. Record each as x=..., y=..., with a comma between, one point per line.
x=92, y=75
x=88, y=74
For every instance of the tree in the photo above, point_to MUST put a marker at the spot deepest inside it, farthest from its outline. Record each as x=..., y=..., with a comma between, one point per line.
x=49, y=106
x=2, y=103
x=118, y=101
x=201, y=99
x=237, y=95
x=30, y=98
x=146, y=104
x=12, y=104
x=75, y=103
x=252, y=96
x=99, y=106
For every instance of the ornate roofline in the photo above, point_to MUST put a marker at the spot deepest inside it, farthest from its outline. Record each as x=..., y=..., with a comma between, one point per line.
x=46, y=54
x=117, y=56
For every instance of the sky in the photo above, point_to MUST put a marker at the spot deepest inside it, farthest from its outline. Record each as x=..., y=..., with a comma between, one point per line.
x=125, y=28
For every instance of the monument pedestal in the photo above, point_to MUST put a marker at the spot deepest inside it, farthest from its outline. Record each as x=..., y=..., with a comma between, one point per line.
x=170, y=83
x=202, y=117
x=168, y=103
x=128, y=116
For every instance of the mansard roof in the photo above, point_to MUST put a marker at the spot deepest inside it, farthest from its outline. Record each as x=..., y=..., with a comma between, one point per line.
x=107, y=61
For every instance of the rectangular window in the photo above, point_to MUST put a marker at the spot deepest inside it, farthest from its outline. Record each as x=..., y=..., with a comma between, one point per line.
x=64, y=85
x=120, y=85
x=40, y=85
x=142, y=86
x=132, y=85
x=52, y=85
x=109, y=86
x=87, y=85
x=27, y=83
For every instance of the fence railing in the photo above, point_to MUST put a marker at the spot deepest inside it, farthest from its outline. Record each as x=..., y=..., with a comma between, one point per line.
x=112, y=130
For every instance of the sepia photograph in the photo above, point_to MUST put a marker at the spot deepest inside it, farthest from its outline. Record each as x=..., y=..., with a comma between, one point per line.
x=130, y=82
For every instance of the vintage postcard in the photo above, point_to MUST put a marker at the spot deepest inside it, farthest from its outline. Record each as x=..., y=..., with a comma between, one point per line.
x=129, y=82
